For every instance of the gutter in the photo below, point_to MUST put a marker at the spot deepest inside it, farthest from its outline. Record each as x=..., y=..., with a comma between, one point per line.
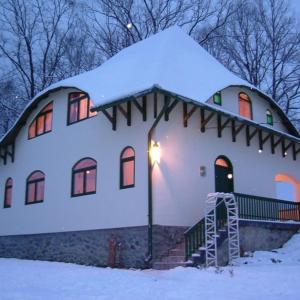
x=150, y=184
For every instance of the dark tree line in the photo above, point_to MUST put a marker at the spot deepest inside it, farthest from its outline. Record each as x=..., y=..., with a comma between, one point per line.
x=42, y=42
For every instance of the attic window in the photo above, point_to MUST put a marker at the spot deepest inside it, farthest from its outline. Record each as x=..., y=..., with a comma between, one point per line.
x=269, y=117
x=42, y=123
x=218, y=98
x=79, y=107
x=245, y=106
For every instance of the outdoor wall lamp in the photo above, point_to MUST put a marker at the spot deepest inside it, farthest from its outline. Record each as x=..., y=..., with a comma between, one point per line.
x=155, y=152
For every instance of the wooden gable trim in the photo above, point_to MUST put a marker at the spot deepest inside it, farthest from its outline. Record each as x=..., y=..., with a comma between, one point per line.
x=235, y=130
x=250, y=135
x=204, y=120
x=221, y=126
x=112, y=117
x=285, y=148
x=187, y=114
x=126, y=112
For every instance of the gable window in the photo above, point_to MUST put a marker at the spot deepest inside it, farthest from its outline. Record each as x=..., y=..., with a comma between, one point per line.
x=42, y=123
x=245, y=106
x=84, y=175
x=8, y=193
x=218, y=98
x=127, y=168
x=79, y=107
x=269, y=117
x=35, y=187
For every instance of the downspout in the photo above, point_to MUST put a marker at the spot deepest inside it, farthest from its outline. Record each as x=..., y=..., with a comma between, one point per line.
x=150, y=168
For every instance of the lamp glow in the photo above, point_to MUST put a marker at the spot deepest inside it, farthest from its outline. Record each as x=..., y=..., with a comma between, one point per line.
x=129, y=25
x=155, y=153
x=229, y=176
x=259, y=150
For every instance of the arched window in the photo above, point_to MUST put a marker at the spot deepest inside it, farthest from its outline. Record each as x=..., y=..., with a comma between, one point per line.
x=35, y=187
x=8, y=193
x=42, y=123
x=84, y=177
x=287, y=187
x=269, y=117
x=79, y=107
x=127, y=168
x=245, y=106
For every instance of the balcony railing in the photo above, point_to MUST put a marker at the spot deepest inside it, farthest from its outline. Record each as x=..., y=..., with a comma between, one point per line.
x=267, y=209
x=250, y=208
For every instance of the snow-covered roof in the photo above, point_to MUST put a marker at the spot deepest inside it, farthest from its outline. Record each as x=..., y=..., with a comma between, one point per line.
x=171, y=60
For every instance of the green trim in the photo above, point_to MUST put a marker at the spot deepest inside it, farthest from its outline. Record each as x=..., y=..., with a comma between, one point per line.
x=217, y=98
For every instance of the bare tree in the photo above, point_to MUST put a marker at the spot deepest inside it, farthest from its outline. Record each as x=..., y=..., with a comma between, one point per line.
x=33, y=35
x=115, y=24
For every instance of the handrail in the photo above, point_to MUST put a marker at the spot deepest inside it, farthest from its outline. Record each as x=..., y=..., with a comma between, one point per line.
x=250, y=208
x=267, y=209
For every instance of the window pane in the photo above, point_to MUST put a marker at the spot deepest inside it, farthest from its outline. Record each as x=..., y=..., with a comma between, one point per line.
x=217, y=98
x=48, y=121
x=73, y=112
x=30, y=192
x=90, y=181
x=128, y=173
x=222, y=162
x=85, y=163
x=49, y=107
x=74, y=96
x=128, y=152
x=83, y=109
x=36, y=175
x=78, y=183
x=32, y=130
x=40, y=124
x=8, y=197
x=40, y=190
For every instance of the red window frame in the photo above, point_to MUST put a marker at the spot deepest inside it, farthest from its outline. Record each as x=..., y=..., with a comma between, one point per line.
x=245, y=106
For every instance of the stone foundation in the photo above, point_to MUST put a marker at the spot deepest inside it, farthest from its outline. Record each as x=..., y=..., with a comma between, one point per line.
x=120, y=247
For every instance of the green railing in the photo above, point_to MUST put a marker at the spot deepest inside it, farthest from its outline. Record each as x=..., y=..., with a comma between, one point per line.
x=267, y=209
x=195, y=235
x=250, y=208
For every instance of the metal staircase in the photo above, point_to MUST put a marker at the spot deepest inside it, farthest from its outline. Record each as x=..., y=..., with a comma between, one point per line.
x=213, y=201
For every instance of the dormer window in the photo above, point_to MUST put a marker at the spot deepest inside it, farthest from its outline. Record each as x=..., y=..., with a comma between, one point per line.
x=245, y=106
x=218, y=98
x=42, y=123
x=79, y=107
x=269, y=117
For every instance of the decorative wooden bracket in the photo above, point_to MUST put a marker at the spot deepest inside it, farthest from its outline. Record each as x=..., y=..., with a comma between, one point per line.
x=205, y=120
x=295, y=151
x=112, y=117
x=155, y=105
x=142, y=108
x=235, y=130
x=186, y=114
x=285, y=148
x=221, y=126
x=263, y=140
x=274, y=143
x=170, y=108
x=126, y=113
x=7, y=151
x=249, y=135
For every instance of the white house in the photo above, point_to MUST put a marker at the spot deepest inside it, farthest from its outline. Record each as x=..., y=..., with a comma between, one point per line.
x=113, y=165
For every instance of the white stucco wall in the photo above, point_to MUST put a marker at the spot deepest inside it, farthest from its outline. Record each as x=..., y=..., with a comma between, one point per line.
x=179, y=190
x=230, y=102
x=55, y=153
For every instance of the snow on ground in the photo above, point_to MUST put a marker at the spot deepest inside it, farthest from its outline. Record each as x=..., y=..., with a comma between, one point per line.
x=266, y=275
